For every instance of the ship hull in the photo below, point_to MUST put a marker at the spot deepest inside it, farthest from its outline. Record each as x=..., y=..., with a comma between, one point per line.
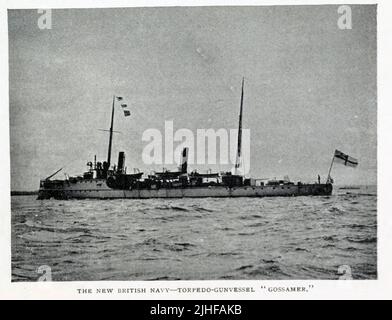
x=97, y=189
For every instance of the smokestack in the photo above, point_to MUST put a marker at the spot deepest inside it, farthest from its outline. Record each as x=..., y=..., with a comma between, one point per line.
x=121, y=162
x=184, y=160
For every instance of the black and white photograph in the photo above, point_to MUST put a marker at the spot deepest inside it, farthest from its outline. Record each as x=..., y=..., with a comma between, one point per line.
x=169, y=143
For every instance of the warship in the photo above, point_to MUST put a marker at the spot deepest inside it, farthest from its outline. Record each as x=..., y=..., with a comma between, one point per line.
x=104, y=181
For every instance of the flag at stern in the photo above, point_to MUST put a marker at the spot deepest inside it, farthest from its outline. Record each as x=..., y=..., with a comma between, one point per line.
x=345, y=159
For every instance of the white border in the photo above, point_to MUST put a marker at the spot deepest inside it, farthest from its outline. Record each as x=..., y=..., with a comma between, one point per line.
x=322, y=289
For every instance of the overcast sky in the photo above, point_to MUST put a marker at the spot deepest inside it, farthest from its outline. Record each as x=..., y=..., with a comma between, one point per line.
x=310, y=87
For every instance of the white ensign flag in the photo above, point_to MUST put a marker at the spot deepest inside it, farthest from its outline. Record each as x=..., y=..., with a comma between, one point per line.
x=345, y=159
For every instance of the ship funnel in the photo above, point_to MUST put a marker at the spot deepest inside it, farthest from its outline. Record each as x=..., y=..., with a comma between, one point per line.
x=184, y=160
x=121, y=162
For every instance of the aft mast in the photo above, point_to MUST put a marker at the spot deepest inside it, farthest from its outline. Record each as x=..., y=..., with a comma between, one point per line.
x=239, y=143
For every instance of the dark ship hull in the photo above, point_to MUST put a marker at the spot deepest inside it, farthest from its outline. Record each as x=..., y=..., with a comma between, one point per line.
x=97, y=189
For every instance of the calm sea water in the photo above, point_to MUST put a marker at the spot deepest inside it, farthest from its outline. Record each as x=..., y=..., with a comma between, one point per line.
x=243, y=238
